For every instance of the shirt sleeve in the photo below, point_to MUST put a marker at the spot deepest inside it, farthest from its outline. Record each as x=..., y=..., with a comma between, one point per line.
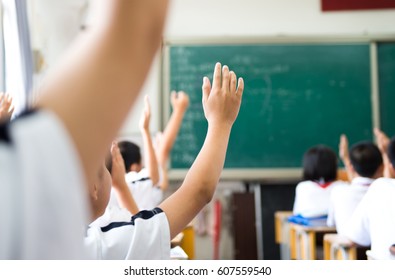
x=52, y=210
x=358, y=228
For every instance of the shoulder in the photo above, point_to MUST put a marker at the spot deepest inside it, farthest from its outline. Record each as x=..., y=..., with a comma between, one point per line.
x=32, y=145
x=383, y=182
x=145, y=235
x=305, y=184
x=340, y=186
x=137, y=177
x=382, y=185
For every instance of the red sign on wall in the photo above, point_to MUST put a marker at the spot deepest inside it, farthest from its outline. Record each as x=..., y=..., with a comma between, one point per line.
x=339, y=5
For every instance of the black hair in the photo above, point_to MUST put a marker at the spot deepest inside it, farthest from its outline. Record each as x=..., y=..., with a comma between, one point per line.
x=391, y=151
x=320, y=163
x=130, y=153
x=365, y=158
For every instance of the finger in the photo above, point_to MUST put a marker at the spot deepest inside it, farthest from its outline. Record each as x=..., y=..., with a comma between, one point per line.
x=11, y=110
x=147, y=105
x=113, y=145
x=342, y=139
x=217, y=76
x=206, y=88
x=225, y=78
x=376, y=131
x=233, y=80
x=240, y=87
x=173, y=96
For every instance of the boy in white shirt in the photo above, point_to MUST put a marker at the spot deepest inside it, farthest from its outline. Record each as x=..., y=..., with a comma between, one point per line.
x=373, y=221
x=147, y=235
x=148, y=184
x=364, y=164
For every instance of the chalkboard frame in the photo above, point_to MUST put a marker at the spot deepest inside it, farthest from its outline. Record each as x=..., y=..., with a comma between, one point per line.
x=269, y=174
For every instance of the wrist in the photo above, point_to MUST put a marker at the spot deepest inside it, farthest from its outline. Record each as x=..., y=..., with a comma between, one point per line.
x=144, y=131
x=179, y=110
x=220, y=127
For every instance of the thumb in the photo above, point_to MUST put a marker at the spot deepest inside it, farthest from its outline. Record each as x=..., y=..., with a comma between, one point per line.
x=206, y=88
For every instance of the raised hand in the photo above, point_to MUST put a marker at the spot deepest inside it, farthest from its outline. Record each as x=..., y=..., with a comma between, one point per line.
x=222, y=99
x=179, y=101
x=146, y=116
x=343, y=148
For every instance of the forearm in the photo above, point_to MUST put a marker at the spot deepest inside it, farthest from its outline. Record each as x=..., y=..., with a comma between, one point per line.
x=388, y=173
x=200, y=182
x=151, y=162
x=126, y=199
x=348, y=168
x=212, y=152
x=169, y=135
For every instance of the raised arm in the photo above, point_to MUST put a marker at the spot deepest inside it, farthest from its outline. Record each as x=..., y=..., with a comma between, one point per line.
x=98, y=81
x=119, y=184
x=151, y=162
x=179, y=102
x=383, y=142
x=221, y=104
x=345, y=156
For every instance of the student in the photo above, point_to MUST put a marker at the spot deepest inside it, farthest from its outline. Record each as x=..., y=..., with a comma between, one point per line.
x=89, y=95
x=372, y=222
x=116, y=167
x=6, y=107
x=147, y=235
x=364, y=164
x=145, y=183
x=319, y=178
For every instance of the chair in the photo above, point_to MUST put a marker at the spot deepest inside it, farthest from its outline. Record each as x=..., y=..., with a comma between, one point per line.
x=281, y=231
x=303, y=240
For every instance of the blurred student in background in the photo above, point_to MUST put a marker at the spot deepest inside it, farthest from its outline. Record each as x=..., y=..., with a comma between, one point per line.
x=364, y=164
x=373, y=221
x=319, y=178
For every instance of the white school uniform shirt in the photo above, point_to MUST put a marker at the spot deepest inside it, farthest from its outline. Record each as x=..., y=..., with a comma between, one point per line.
x=43, y=203
x=119, y=236
x=312, y=200
x=343, y=201
x=145, y=194
x=373, y=221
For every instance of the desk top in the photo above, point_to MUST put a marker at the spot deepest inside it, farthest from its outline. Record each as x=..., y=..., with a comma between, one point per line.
x=313, y=228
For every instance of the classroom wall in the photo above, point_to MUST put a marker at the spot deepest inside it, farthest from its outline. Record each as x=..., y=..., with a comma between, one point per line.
x=208, y=18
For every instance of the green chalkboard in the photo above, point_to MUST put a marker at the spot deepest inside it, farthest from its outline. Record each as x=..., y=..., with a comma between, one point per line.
x=386, y=69
x=296, y=96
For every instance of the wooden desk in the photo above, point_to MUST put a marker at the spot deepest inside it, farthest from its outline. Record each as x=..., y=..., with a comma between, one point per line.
x=188, y=241
x=303, y=240
x=281, y=232
x=338, y=247
x=176, y=241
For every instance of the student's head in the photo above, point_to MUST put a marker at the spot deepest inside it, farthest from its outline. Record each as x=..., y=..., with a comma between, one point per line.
x=320, y=163
x=131, y=156
x=391, y=152
x=366, y=160
x=100, y=191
